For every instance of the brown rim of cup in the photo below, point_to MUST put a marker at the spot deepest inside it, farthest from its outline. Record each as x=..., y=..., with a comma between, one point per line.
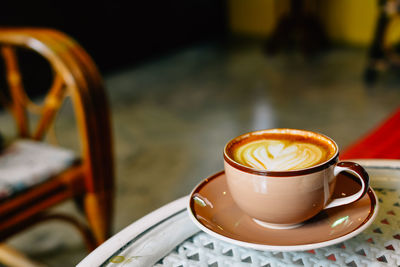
x=331, y=161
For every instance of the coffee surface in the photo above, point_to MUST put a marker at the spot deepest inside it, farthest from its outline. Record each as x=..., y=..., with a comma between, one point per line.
x=280, y=154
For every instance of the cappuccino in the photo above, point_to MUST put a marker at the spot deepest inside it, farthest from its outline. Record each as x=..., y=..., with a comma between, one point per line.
x=272, y=151
x=282, y=177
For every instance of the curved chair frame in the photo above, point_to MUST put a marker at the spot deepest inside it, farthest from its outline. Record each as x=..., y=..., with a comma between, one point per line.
x=91, y=180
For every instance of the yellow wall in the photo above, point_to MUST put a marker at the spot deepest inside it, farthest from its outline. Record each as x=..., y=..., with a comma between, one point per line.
x=346, y=21
x=255, y=17
x=350, y=21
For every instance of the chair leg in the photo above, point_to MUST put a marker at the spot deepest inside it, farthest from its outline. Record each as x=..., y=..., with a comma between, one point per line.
x=87, y=235
x=98, y=215
x=85, y=231
x=11, y=257
x=376, y=56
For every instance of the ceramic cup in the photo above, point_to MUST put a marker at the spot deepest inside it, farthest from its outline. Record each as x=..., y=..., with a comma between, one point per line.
x=283, y=199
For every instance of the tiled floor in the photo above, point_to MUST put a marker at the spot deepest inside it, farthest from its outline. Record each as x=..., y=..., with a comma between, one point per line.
x=172, y=117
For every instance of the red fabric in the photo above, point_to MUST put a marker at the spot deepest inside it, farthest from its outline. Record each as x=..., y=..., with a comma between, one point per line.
x=381, y=143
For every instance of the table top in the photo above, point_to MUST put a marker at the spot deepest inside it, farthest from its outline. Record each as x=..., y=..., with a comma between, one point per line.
x=168, y=237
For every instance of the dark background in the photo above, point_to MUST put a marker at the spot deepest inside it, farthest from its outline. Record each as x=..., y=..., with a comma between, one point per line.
x=124, y=33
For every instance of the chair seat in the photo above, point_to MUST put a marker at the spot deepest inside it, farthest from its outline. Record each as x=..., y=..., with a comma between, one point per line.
x=26, y=163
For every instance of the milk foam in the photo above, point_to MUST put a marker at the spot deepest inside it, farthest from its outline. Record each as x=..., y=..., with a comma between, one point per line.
x=279, y=155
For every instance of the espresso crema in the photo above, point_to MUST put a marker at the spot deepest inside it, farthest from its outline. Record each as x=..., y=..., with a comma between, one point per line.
x=280, y=154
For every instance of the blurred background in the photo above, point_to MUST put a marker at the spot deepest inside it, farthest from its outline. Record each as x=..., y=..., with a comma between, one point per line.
x=184, y=77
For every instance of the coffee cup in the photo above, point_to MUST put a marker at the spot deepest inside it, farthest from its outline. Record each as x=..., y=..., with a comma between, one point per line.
x=283, y=177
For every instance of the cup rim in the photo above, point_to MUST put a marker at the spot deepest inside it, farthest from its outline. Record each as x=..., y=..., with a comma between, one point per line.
x=315, y=168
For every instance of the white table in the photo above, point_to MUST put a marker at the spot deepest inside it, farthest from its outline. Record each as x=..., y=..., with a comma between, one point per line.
x=167, y=237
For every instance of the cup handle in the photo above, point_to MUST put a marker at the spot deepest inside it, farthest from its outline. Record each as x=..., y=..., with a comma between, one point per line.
x=360, y=173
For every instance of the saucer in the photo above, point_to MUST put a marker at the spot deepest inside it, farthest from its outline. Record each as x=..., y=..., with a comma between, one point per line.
x=212, y=209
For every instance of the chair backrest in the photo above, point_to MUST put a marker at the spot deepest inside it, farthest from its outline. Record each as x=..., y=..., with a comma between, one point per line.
x=75, y=76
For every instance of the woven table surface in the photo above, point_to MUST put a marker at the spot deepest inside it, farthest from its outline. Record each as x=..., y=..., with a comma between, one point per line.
x=169, y=238
x=379, y=245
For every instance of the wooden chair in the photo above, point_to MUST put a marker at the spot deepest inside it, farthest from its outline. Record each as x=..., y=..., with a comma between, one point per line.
x=88, y=179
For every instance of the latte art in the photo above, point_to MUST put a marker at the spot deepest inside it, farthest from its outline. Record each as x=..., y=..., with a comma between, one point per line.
x=279, y=155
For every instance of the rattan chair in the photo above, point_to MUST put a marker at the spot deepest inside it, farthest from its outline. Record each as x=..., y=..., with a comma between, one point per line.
x=87, y=178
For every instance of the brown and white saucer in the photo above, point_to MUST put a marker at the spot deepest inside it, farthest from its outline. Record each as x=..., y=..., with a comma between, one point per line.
x=211, y=208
